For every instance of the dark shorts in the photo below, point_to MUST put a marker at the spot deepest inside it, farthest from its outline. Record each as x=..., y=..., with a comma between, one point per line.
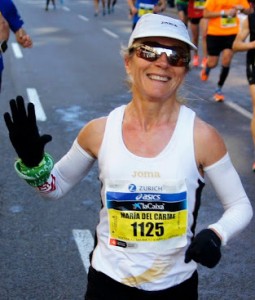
x=102, y=287
x=250, y=67
x=216, y=43
x=195, y=21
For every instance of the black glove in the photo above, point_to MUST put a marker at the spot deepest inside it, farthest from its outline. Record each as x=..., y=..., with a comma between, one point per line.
x=204, y=249
x=23, y=132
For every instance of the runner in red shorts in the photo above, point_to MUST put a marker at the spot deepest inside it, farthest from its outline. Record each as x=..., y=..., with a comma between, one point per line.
x=198, y=26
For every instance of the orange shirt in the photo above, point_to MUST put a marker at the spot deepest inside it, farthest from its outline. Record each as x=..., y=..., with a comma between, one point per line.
x=223, y=25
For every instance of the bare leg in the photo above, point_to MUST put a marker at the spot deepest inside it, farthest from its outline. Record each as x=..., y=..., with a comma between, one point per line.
x=195, y=36
x=103, y=5
x=183, y=17
x=252, y=91
x=203, y=29
x=96, y=7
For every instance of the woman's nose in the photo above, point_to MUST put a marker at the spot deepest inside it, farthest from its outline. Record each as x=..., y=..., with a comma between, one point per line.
x=163, y=60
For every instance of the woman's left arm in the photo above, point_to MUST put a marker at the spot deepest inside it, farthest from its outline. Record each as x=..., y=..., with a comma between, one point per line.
x=238, y=211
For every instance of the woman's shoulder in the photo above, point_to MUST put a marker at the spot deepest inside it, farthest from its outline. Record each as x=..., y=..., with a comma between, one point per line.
x=209, y=144
x=91, y=135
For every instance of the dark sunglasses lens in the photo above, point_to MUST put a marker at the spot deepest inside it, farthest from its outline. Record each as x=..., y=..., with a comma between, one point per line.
x=176, y=60
x=173, y=59
x=145, y=53
x=177, y=57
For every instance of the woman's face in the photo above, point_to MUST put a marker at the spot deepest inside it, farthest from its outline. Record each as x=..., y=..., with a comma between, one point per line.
x=155, y=80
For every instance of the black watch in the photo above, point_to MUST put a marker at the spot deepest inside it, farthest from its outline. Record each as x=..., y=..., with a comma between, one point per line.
x=3, y=46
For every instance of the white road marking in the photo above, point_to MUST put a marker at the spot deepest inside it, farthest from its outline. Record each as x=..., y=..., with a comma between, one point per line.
x=239, y=109
x=34, y=98
x=83, y=18
x=232, y=105
x=110, y=33
x=85, y=244
x=66, y=8
x=16, y=50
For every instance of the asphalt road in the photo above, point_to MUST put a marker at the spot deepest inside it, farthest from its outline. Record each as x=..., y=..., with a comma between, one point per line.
x=76, y=73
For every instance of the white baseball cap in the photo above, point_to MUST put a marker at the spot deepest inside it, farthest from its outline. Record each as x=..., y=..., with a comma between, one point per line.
x=162, y=26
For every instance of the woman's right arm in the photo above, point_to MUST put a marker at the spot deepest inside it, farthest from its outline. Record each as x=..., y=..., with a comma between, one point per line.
x=67, y=172
x=36, y=166
x=77, y=162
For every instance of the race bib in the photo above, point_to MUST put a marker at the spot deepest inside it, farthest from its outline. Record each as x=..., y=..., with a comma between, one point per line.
x=145, y=9
x=143, y=215
x=199, y=4
x=228, y=22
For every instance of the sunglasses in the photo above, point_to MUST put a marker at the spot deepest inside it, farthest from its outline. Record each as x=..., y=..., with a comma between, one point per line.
x=176, y=56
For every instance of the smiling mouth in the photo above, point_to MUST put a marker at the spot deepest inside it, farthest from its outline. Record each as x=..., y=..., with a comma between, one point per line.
x=159, y=78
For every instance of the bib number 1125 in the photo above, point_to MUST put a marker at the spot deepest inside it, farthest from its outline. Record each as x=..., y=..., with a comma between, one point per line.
x=148, y=229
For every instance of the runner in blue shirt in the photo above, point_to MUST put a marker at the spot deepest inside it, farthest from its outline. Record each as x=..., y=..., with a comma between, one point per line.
x=13, y=18
x=142, y=7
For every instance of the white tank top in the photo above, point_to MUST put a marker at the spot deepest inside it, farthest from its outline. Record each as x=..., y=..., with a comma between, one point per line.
x=148, y=207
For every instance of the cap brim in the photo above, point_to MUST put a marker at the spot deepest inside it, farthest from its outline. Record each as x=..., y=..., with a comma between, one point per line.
x=173, y=36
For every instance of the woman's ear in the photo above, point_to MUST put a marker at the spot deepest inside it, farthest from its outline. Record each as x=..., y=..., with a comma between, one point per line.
x=127, y=64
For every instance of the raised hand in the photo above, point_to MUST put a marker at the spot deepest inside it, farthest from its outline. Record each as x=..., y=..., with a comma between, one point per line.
x=24, y=134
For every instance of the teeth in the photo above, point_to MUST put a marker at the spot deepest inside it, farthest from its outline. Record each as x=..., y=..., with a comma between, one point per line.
x=159, y=78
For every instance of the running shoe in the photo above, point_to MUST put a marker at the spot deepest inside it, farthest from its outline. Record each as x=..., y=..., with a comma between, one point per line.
x=218, y=96
x=195, y=61
x=203, y=75
x=203, y=63
x=253, y=167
